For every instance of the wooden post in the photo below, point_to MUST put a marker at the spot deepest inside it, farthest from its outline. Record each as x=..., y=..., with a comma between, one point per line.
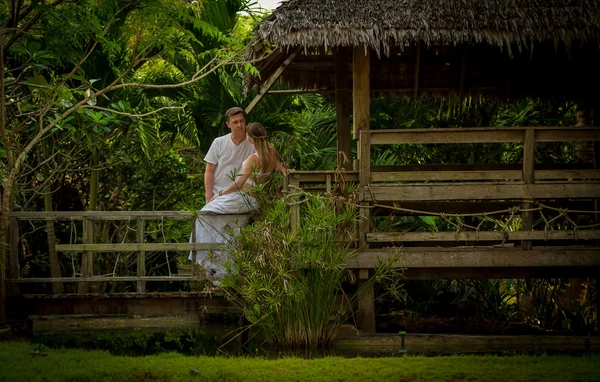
x=361, y=98
x=295, y=209
x=361, y=89
x=417, y=69
x=194, y=252
x=87, y=258
x=528, y=178
x=57, y=288
x=12, y=289
x=141, y=256
x=366, y=304
x=364, y=177
x=342, y=110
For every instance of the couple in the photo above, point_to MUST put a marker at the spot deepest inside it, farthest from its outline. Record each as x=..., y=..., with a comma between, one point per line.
x=234, y=164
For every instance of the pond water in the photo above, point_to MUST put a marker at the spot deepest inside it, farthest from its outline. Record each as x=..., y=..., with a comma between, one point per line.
x=228, y=340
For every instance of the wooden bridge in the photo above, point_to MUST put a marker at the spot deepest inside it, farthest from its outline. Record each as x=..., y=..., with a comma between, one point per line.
x=524, y=193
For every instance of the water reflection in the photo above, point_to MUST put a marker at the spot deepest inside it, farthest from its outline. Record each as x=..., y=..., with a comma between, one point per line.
x=230, y=340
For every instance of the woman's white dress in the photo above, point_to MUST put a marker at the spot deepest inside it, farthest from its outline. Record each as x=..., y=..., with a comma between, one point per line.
x=220, y=221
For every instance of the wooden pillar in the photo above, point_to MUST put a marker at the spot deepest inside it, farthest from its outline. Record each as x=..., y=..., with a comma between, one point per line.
x=57, y=288
x=417, y=69
x=361, y=89
x=366, y=304
x=361, y=101
x=141, y=256
x=342, y=109
x=295, y=208
x=87, y=258
x=528, y=178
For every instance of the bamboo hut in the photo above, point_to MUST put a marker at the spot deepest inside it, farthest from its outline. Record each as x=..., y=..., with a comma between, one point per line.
x=506, y=49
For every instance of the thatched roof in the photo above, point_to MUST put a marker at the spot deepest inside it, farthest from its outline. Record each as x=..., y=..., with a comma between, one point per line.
x=384, y=23
x=460, y=46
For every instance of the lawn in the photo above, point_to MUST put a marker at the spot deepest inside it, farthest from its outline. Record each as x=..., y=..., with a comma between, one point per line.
x=21, y=361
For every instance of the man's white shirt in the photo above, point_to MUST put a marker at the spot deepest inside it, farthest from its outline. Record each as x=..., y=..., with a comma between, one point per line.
x=228, y=157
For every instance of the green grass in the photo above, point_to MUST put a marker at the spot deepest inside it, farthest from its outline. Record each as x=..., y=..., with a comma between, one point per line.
x=18, y=364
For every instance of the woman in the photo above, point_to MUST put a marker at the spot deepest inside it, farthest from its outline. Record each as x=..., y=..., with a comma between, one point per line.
x=214, y=225
x=257, y=168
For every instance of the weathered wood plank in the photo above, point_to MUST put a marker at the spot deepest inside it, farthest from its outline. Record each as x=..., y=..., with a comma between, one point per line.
x=321, y=177
x=567, y=174
x=488, y=191
x=135, y=247
x=384, y=237
x=483, y=257
x=445, y=175
x=483, y=135
x=100, y=279
x=106, y=215
x=497, y=273
x=424, y=136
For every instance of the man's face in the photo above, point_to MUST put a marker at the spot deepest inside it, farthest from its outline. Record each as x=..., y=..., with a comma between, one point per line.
x=237, y=122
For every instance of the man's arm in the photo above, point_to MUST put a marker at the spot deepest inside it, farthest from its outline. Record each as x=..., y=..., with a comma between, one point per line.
x=209, y=180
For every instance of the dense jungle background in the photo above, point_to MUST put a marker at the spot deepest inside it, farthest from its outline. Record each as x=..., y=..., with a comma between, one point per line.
x=75, y=139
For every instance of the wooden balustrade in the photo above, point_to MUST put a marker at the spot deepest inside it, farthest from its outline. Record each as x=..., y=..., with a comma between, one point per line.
x=88, y=248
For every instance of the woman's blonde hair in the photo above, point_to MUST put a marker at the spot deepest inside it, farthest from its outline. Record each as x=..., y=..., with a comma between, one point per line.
x=262, y=146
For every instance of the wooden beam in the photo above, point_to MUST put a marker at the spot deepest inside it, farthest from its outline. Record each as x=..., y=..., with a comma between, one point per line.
x=361, y=95
x=483, y=191
x=141, y=255
x=385, y=237
x=87, y=259
x=101, y=279
x=445, y=175
x=342, y=109
x=107, y=215
x=274, y=77
x=483, y=135
x=417, y=70
x=135, y=247
x=498, y=273
x=528, y=178
x=485, y=257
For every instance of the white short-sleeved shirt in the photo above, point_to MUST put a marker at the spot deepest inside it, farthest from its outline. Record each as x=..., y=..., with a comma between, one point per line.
x=228, y=157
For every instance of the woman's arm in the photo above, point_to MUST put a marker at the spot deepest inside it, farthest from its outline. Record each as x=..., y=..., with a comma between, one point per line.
x=240, y=180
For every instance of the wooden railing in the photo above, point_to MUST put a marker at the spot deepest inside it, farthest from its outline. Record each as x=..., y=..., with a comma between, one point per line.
x=404, y=190
x=523, y=186
x=88, y=248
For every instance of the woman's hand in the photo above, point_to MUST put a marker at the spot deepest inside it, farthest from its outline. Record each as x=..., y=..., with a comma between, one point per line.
x=214, y=197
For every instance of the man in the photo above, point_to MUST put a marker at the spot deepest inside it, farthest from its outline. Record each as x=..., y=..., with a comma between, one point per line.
x=223, y=163
x=226, y=154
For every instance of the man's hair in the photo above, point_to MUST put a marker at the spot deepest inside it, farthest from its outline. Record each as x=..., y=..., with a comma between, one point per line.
x=234, y=111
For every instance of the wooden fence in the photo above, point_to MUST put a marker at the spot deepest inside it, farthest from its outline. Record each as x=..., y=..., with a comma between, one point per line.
x=88, y=248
